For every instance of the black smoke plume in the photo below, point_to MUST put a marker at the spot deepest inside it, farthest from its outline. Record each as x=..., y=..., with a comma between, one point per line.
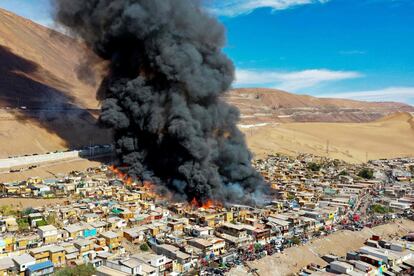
x=162, y=95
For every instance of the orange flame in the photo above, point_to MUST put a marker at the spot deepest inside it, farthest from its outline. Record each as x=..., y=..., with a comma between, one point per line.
x=127, y=180
x=148, y=185
x=194, y=203
x=208, y=204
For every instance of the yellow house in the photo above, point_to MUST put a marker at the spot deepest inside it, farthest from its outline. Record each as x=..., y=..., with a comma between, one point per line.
x=154, y=230
x=40, y=254
x=107, y=192
x=53, y=253
x=100, y=241
x=48, y=234
x=24, y=241
x=7, y=244
x=24, y=191
x=127, y=197
x=11, y=190
x=209, y=219
x=242, y=215
x=176, y=226
x=229, y=217
x=34, y=180
x=112, y=240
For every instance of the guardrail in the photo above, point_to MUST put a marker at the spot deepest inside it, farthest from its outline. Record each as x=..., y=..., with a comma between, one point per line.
x=92, y=151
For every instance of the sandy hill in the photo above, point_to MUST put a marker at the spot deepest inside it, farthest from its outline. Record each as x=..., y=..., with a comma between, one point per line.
x=389, y=137
x=39, y=66
x=44, y=106
x=258, y=104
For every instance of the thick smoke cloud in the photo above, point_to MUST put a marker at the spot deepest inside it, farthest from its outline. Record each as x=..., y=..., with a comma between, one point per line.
x=162, y=95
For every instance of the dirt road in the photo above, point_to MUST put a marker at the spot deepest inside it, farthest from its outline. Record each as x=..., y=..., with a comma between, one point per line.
x=339, y=243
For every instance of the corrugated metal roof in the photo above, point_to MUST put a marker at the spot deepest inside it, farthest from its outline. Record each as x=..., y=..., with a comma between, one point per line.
x=40, y=266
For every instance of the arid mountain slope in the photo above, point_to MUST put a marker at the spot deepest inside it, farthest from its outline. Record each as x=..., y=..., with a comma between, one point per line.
x=258, y=105
x=392, y=136
x=44, y=106
x=38, y=65
x=42, y=102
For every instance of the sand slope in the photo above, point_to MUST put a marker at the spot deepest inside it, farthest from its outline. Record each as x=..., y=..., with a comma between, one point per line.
x=272, y=105
x=390, y=137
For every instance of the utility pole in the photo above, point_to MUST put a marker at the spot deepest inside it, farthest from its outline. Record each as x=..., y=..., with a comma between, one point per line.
x=327, y=148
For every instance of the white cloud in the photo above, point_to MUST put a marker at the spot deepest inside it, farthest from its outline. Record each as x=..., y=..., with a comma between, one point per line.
x=238, y=7
x=291, y=81
x=395, y=94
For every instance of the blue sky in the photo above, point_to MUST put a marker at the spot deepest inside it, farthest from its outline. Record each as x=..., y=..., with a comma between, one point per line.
x=360, y=49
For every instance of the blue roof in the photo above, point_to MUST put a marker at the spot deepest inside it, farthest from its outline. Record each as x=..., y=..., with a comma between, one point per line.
x=40, y=266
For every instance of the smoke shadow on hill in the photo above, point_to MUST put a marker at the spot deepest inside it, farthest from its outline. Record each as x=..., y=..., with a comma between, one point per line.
x=24, y=92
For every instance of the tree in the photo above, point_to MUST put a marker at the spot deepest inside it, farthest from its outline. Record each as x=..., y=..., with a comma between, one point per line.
x=80, y=270
x=314, y=167
x=144, y=247
x=343, y=173
x=257, y=247
x=28, y=211
x=380, y=209
x=366, y=173
x=51, y=219
x=290, y=196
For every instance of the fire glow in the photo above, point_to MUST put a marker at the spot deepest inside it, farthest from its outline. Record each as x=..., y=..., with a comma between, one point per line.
x=127, y=180
x=209, y=203
x=150, y=188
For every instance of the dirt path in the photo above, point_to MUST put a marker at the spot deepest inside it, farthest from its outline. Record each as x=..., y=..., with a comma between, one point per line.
x=23, y=203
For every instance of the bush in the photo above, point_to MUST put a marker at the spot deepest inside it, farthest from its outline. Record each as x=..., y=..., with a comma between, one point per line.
x=366, y=173
x=8, y=210
x=51, y=219
x=28, y=211
x=41, y=223
x=257, y=247
x=380, y=209
x=344, y=172
x=314, y=167
x=23, y=224
x=295, y=240
x=144, y=247
x=80, y=270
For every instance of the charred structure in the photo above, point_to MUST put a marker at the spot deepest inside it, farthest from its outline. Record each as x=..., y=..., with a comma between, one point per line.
x=161, y=95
